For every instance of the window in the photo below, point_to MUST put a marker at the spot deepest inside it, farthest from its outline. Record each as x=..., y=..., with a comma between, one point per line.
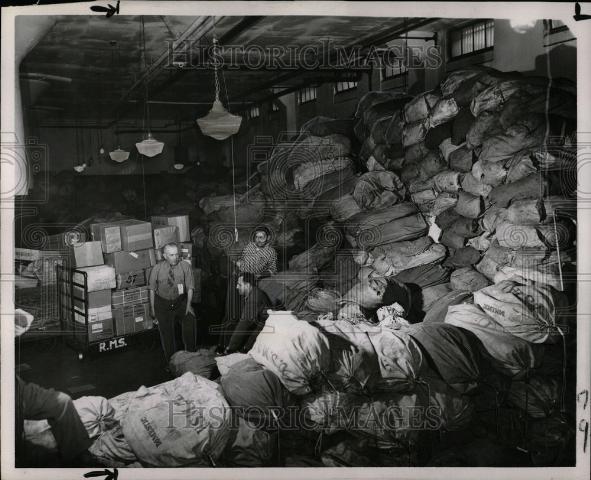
x=391, y=71
x=341, y=87
x=254, y=112
x=307, y=94
x=274, y=107
x=472, y=38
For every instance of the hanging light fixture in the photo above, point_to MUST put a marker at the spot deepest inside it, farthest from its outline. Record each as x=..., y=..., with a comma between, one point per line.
x=218, y=123
x=118, y=155
x=149, y=146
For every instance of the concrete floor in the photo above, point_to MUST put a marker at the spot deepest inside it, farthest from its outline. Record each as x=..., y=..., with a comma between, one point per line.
x=52, y=363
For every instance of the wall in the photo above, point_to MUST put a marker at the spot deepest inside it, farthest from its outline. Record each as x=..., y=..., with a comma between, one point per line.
x=256, y=135
x=64, y=151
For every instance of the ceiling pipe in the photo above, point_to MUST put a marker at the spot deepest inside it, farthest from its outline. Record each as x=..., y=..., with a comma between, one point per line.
x=43, y=76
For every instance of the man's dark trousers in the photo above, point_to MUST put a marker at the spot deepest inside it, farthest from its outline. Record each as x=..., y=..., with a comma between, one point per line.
x=171, y=316
x=37, y=403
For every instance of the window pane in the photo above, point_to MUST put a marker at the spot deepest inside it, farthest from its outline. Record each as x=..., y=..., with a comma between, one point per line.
x=479, y=37
x=473, y=38
x=467, y=40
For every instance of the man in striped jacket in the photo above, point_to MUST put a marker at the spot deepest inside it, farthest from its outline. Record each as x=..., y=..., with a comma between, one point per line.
x=258, y=258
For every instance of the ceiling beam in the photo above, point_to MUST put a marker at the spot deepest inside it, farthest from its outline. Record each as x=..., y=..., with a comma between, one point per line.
x=381, y=38
x=227, y=37
x=200, y=28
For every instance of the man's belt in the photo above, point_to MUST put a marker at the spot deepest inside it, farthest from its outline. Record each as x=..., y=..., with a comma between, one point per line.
x=173, y=304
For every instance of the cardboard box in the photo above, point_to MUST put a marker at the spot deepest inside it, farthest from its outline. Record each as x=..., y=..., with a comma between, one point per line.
x=62, y=241
x=132, y=296
x=98, y=299
x=124, y=262
x=135, y=235
x=180, y=221
x=101, y=277
x=108, y=234
x=86, y=254
x=164, y=235
x=30, y=255
x=132, y=319
x=94, y=314
x=130, y=279
x=186, y=251
x=97, y=330
x=27, y=254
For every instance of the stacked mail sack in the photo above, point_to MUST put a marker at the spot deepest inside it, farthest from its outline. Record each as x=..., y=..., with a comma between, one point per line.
x=491, y=197
x=299, y=183
x=343, y=391
x=390, y=231
x=449, y=170
x=358, y=381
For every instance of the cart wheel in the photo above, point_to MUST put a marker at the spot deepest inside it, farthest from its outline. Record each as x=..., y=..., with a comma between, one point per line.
x=80, y=356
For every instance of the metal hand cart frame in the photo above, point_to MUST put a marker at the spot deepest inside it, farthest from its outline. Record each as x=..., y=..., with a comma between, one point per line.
x=70, y=305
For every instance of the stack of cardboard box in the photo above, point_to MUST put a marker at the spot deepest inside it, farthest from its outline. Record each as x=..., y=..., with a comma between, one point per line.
x=115, y=266
x=87, y=257
x=127, y=250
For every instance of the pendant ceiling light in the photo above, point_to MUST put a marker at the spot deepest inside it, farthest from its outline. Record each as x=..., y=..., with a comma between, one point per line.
x=118, y=155
x=218, y=123
x=149, y=146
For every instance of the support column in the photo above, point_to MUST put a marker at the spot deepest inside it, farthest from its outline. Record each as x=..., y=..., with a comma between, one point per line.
x=29, y=31
x=290, y=103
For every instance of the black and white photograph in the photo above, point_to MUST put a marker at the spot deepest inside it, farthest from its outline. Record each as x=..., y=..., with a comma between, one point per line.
x=275, y=238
